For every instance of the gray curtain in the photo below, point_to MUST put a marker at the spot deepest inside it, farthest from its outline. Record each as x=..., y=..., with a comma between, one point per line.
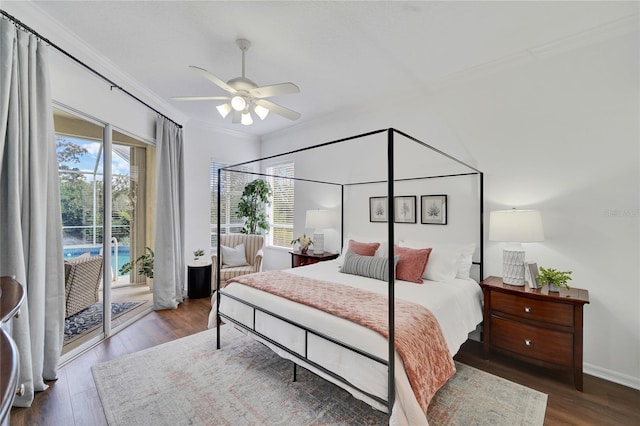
x=168, y=270
x=30, y=218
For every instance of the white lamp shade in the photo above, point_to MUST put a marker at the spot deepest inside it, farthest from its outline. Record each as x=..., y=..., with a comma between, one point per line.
x=516, y=226
x=261, y=111
x=246, y=119
x=224, y=109
x=319, y=219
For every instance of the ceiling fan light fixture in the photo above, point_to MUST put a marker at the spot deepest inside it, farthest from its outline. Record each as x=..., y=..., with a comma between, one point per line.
x=224, y=109
x=246, y=118
x=261, y=111
x=238, y=103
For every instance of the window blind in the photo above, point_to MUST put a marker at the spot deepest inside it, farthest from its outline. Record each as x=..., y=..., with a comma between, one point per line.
x=281, y=215
x=231, y=189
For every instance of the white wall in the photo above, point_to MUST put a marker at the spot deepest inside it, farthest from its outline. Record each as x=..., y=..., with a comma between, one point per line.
x=202, y=144
x=558, y=132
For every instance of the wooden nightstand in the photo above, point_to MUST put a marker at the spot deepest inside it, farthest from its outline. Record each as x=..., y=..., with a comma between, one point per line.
x=299, y=259
x=534, y=325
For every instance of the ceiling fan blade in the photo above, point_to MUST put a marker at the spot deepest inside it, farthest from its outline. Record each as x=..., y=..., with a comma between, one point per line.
x=200, y=98
x=237, y=116
x=215, y=80
x=278, y=109
x=274, y=90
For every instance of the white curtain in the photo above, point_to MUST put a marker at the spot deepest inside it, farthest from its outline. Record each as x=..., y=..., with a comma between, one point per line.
x=30, y=218
x=168, y=270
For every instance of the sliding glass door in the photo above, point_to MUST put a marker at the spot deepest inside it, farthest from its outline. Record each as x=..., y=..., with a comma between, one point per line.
x=103, y=187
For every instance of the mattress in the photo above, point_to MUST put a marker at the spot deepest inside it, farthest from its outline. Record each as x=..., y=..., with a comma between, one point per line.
x=456, y=304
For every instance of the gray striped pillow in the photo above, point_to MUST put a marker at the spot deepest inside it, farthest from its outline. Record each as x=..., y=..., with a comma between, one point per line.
x=367, y=266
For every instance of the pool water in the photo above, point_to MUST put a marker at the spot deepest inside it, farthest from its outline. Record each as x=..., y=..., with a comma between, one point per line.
x=123, y=254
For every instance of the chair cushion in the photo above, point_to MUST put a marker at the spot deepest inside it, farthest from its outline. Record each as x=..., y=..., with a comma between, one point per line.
x=233, y=256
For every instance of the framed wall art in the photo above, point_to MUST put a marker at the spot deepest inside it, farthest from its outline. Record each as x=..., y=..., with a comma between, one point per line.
x=433, y=209
x=378, y=209
x=404, y=209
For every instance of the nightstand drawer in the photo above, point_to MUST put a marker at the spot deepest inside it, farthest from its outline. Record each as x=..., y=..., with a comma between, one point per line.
x=532, y=309
x=542, y=344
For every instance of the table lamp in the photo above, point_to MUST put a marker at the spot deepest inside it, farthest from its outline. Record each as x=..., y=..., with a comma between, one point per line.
x=319, y=220
x=515, y=227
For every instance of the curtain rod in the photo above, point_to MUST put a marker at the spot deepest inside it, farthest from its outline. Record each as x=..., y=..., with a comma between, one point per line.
x=73, y=58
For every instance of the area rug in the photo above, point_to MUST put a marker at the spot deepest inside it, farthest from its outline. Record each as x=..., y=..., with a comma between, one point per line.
x=91, y=318
x=189, y=382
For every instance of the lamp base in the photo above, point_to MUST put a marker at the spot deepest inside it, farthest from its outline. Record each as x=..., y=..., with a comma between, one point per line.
x=513, y=267
x=318, y=243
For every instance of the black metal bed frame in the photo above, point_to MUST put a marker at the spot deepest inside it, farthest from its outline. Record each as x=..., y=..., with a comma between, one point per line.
x=391, y=237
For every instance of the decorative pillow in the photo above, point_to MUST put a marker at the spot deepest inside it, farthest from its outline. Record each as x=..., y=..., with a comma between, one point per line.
x=233, y=257
x=412, y=263
x=366, y=266
x=442, y=265
x=382, y=251
x=363, y=249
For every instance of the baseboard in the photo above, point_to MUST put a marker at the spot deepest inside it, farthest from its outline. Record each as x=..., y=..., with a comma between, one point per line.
x=612, y=376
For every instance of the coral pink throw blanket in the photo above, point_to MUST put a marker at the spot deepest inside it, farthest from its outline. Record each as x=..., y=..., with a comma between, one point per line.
x=418, y=338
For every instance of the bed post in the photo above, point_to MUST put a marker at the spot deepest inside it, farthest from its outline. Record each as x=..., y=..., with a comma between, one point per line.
x=390, y=226
x=218, y=262
x=481, y=226
x=341, y=217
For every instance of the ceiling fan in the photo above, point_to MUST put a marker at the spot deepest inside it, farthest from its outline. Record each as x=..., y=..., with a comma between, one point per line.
x=245, y=95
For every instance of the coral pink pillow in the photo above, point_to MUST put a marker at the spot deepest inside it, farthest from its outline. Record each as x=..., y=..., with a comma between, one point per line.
x=412, y=263
x=363, y=249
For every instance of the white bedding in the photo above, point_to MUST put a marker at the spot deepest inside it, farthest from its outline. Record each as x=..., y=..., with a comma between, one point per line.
x=457, y=305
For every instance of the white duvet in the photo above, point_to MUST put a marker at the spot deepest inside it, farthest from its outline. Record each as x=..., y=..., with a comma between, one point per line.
x=457, y=305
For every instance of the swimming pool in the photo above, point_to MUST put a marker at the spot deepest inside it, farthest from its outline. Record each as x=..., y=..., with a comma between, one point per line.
x=123, y=254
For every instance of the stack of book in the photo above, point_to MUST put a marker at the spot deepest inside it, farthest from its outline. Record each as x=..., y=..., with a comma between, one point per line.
x=530, y=274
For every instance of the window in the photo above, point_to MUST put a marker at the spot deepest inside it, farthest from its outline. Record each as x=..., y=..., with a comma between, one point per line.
x=281, y=213
x=231, y=189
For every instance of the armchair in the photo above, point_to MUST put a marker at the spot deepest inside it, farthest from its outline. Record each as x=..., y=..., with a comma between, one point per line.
x=253, y=245
x=82, y=279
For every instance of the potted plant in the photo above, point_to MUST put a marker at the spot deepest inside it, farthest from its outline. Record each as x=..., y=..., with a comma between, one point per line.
x=554, y=278
x=144, y=262
x=197, y=254
x=304, y=242
x=252, y=206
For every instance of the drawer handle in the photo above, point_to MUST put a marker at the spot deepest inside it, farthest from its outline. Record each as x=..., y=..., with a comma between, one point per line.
x=20, y=390
x=527, y=342
x=527, y=309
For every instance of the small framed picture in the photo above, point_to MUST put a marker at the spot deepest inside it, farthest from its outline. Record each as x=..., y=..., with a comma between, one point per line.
x=378, y=209
x=404, y=209
x=434, y=209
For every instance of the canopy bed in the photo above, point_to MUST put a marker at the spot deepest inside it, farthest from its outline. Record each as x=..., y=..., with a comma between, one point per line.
x=384, y=320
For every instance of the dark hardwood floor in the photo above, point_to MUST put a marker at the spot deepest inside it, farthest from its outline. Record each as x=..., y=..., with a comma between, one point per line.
x=73, y=399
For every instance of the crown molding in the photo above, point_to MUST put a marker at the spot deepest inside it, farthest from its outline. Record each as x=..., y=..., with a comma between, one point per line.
x=33, y=16
x=614, y=29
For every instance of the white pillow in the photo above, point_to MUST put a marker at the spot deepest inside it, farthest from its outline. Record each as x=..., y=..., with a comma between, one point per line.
x=464, y=251
x=233, y=256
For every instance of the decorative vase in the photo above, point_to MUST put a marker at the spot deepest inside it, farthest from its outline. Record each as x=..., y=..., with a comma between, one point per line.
x=554, y=288
x=304, y=249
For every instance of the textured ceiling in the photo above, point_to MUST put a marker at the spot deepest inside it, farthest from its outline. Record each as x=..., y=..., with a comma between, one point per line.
x=342, y=55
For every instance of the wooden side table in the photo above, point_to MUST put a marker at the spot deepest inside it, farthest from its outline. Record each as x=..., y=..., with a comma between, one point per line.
x=309, y=258
x=535, y=325
x=199, y=281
